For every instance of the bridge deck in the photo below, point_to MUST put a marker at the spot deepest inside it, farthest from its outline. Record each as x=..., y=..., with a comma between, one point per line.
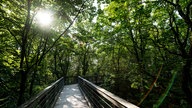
x=71, y=97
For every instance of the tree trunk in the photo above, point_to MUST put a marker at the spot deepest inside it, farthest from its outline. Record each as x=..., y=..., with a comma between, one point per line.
x=85, y=64
x=22, y=87
x=55, y=64
x=186, y=81
x=23, y=74
x=32, y=83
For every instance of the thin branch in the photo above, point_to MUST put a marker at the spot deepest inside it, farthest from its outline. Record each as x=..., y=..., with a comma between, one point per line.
x=164, y=48
x=171, y=52
x=12, y=34
x=37, y=53
x=64, y=32
x=151, y=87
x=44, y=51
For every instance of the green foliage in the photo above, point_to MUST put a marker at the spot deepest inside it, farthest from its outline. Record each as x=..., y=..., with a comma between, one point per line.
x=127, y=40
x=27, y=49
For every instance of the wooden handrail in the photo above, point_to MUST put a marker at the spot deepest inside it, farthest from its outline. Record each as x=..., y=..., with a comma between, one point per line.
x=46, y=98
x=101, y=98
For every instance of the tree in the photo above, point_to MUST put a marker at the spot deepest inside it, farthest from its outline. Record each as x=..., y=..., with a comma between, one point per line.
x=31, y=43
x=143, y=28
x=180, y=27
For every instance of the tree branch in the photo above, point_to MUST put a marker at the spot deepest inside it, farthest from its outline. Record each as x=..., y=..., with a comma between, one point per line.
x=185, y=17
x=151, y=87
x=166, y=49
x=188, y=8
x=187, y=36
x=64, y=32
x=175, y=32
x=12, y=34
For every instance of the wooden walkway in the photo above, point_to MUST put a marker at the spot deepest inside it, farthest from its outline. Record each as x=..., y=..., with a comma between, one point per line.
x=71, y=97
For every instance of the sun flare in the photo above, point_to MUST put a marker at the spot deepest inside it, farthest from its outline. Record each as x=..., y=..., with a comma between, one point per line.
x=44, y=17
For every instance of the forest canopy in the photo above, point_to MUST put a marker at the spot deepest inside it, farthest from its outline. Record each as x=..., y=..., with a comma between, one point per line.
x=142, y=47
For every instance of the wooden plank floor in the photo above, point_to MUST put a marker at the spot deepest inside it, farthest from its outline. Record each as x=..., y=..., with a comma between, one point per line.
x=71, y=97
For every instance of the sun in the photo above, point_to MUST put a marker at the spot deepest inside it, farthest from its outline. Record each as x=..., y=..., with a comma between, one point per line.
x=44, y=17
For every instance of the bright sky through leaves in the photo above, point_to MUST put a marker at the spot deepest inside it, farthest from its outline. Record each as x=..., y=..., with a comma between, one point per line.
x=44, y=17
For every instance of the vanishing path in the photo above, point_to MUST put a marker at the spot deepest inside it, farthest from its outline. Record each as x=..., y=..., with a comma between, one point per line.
x=71, y=97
